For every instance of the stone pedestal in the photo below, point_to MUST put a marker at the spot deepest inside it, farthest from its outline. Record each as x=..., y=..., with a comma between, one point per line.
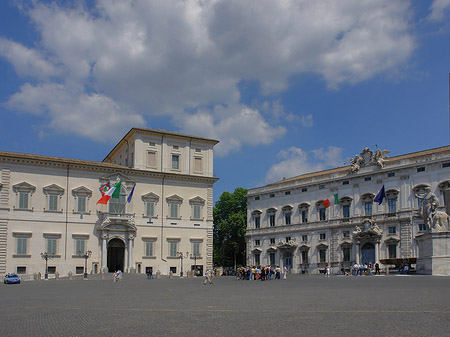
x=434, y=253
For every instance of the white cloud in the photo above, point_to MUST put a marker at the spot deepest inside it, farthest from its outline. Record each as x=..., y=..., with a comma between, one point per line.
x=166, y=57
x=439, y=9
x=234, y=126
x=307, y=121
x=296, y=161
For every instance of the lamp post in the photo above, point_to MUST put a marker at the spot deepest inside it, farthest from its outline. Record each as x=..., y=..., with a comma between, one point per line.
x=45, y=256
x=86, y=256
x=195, y=257
x=182, y=256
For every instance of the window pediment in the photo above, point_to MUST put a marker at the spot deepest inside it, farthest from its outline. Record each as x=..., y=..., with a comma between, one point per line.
x=322, y=246
x=442, y=185
x=304, y=205
x=392, y=192
x=271, y=210
x=421, y=188
x=368, y=196
x=150, y=197
x=116, y=177
x=197, y=200
x=53, y=189
x=24, y=187
x=287, y=208
x=345, y=199
x=256, y=212
x=174, y=198
x=82, y=191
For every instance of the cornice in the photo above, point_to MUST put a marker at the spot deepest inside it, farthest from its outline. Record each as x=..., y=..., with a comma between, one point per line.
x=102, y=168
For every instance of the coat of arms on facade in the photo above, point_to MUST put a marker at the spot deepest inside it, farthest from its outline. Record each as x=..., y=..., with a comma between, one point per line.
x=370, y=229
x=367, y=158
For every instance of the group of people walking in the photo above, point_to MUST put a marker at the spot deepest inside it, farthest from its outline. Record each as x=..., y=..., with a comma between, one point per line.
x=366, y=269
x=265, y=273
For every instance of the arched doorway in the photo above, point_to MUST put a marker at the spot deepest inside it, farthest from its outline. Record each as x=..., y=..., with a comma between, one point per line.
x=368, y=253
x=116, y=255
x=288, y=260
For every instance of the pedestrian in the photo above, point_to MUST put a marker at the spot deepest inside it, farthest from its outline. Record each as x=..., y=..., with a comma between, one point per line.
x=327, y=270
x=115, y=276
x=277, y=273
x=119, y=275
x=377, y=269
x=355, y=269
x=285, y=270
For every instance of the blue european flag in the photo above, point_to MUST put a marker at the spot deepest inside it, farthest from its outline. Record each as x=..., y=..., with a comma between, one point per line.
x=380, y=196
x=131, y=194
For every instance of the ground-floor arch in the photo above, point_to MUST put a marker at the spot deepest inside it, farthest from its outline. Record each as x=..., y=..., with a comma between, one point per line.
x=116, y=255
x=368, y=253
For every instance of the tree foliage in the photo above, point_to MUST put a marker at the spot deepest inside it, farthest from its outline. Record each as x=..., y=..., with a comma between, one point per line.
x=230, y=222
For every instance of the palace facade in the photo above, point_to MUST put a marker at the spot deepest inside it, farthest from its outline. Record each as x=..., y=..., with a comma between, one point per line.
x=290, y=225
x=48, y=206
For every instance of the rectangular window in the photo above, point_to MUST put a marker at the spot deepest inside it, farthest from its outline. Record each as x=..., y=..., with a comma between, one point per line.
x=81, y=204
x=392, y=205
x=22, y=246
x=175, y=162
x=272, y=241
x=271, y=259
x=392, y=250
x=118, y=205
x=392, y=230
x=79, y=270
x=419, y=203
x=150, y=209
x=346, y=234
x=368, y=208
x=288, y=238
x=272, y=195
x=257, y=242
x=346, y=254
x=445, y=165
x=173, y=248
x=174, y=210
x=422, y=227
x=257, y=259
x=304, y=216
x=149, y=248
x=272, y=220
x=80, y=246
x=53, y=202
x=257, y=198
x=23, y=200
x=21, y=270
x=197, y=211
x=367, y=179
x=421, y=169
x=304, y=190
x=287, y=193
x=151, y=159
x=322, y=255
x=198, y=167
x=322, y=236
x=322, y=213
x=287, y=218
x=346, y=211
x=257, y=222
x=346, y=182
x=321, y=187
x=304, y=238
x=51, y=246
x=196, y=248
x=304, y=256
x=51, y=270
x=392, y=174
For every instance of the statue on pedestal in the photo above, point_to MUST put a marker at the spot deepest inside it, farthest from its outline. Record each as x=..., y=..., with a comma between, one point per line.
x=436, y=221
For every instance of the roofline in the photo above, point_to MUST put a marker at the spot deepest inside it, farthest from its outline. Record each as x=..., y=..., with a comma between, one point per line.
x=344, y=168
x=5, y=156
x=160, y=132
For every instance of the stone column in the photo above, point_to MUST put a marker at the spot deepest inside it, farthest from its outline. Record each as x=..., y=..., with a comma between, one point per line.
x=104, y=253
x=377, y=252
x=357, y=252
x=130, y=253
x=447, y=200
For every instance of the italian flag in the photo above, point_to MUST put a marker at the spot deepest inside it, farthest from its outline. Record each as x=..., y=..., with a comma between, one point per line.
x=113, y=192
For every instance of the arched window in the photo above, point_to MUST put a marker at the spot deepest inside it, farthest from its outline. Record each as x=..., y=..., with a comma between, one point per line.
x=287, y=214
x=256, y=216
x=271, y=215
x=304, y=210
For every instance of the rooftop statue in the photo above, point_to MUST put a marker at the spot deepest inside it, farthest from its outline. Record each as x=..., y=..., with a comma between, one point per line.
x=366, y=158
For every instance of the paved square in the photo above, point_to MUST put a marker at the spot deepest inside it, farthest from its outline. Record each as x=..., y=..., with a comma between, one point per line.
x=298, y=306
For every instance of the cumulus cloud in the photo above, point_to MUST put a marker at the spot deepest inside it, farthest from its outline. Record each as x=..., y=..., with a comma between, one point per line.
x=439, y=9
x=171, y=57
x=307, y=121
x=295, y=161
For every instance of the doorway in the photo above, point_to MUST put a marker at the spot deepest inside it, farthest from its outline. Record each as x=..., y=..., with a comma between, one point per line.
x=288, y=260
x=368, y=253
x=116, y=255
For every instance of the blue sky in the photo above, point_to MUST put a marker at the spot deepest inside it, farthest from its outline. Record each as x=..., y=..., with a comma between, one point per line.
x=288, y=87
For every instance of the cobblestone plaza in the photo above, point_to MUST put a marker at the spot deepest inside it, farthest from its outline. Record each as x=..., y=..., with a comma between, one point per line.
x=299, y=306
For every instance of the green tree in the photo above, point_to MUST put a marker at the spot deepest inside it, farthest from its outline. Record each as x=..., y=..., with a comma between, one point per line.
x=230, y=222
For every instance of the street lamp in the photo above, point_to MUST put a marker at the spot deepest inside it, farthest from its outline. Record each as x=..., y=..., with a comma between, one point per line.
x=195, y=256
x=182, y=256
x=45, y=256
x=86, y=256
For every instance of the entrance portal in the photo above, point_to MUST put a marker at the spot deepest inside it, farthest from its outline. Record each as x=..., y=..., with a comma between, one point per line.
x=368, y=253
x=288, y=260
x=116, y=255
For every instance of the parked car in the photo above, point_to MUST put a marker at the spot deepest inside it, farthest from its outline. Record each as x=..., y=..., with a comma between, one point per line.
x=11, y=278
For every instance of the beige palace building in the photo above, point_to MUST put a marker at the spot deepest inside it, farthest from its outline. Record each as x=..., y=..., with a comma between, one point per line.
x=48, y=205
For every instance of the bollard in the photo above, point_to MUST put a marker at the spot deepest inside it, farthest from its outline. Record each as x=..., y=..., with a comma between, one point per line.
x=70, y=275
x=170, y=275
x=57, y=276
x=35, y=277
x=39, y=276
x=102, y=274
